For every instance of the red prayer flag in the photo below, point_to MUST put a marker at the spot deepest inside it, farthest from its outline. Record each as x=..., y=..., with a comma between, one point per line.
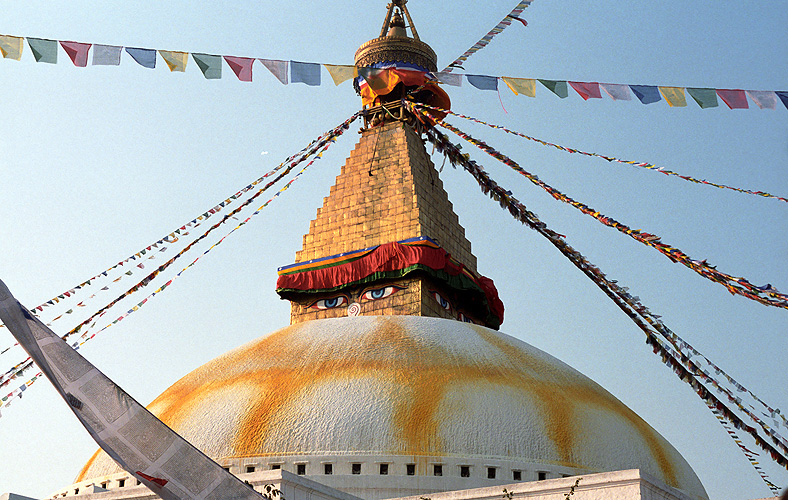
x=734, y=98
x=587, y=90
x=242, y=67
x=157, y=480
x=77, y=51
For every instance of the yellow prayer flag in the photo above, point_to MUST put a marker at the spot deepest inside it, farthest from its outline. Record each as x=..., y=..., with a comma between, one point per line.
x=340, y=73
x=11, y=46
x=525, y=86
x=674, y=96
x=176, y=61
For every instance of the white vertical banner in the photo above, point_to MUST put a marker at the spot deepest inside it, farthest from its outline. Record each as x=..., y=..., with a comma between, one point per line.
x=138, y=441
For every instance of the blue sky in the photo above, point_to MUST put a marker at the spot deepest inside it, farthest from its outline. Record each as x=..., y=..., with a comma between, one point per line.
x=98, y=162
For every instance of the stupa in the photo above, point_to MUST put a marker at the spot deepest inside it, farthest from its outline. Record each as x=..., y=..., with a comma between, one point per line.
x=392, y=379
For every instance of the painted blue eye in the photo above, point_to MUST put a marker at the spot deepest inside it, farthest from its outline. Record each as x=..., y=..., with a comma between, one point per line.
x=442, y=301
x=465, y=318
x=331, y=303
x=380, y=293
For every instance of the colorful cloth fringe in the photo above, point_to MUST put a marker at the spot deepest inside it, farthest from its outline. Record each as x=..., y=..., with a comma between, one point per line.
x=381, y=78
x=389, y=261
x=486, y=39
x=608, y=158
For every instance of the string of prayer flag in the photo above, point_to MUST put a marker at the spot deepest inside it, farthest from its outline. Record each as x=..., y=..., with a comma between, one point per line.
x=610, y=159
x=486, y=39
x=309, y=73
x=158, y=245
x=766, y=295
x=316, y=148
x=292, y=161
x=649, y=323
x=750, y=455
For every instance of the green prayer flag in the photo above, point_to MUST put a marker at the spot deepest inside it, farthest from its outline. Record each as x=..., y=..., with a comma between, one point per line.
x=43, y=50
x=706, y=98
x=210, y=65
x=558, y=88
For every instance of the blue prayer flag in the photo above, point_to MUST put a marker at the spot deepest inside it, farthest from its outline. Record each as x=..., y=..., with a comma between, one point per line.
x=308, y=73
x=483, y=82
x=783, y=97
x=646, y=93
x=144, y=57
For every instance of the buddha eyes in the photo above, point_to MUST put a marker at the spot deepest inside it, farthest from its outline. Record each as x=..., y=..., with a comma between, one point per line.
x=442, y=301
x=465, y=318
x=331, y=303
x=343, y=300
x=380, y=293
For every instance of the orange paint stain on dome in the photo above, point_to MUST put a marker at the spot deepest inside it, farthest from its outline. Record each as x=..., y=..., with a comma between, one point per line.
x=561, y=404
x=294, y=361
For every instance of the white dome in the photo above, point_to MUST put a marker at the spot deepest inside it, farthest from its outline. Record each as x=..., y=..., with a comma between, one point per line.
x=408, y=389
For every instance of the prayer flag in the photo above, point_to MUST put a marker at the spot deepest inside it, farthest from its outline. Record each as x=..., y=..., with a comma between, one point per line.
x=525, y=86
x=381, y=81
x=241, y=66
x=647, y=94
x=735, y=99
x=106, y=55
x=449, y=79
x=616, y=91
x=308, y=73
x=674, y=96
x=340, y=73
x=277, y=68
x=43, y=50
x=483, y=82
x=783, y=95
x=144, y=57
x=558, y=88
x=123, y=428
x=175, y=60
x=764, y=99
x=11, y=46
x=210, y=65
x=587, y=90
x=77, y=52
x=706, y=98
